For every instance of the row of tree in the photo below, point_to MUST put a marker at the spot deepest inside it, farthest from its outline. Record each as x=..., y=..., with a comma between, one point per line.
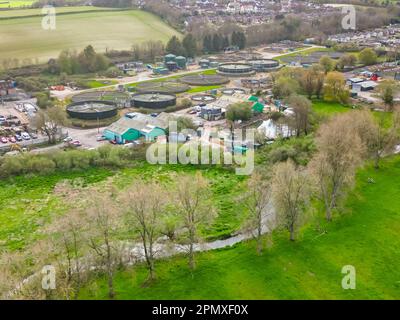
x=71, y=62
x=190, y=45
x=343, y=144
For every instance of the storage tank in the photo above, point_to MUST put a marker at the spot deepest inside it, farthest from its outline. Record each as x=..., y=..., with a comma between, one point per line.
x=169, y=58
x=181, y=62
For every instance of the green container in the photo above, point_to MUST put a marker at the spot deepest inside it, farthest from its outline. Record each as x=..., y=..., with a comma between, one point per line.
x=181, y=62
x=169, y=58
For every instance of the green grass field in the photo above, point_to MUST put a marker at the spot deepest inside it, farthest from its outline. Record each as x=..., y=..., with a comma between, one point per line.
x=38, y=11
x=366, y=236
x=16, y=3
x=29, y=203
x=24, y=37
x=324, y=108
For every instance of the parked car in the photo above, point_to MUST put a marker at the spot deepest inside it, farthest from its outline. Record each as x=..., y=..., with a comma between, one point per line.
x=100, y=138
x=3, y=139
x=68, y=139
x=76, y=143
x=18, y=137
x=25, y=136
x=12, y=139
x=2, y=118
x=33, y=135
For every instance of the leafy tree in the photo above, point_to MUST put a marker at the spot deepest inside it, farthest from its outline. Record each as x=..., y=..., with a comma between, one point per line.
x=335, y=88
x=368, y=56
x=190, y=45
x=239, y=39
x=174, y=46
x=327, y=63
x=217, y=42
x=387, y=90
x=284, y=87
x=239, y=111
x=347, y=60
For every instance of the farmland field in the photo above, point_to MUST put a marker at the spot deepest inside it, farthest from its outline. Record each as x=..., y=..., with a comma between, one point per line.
x=24, y=38
x=38, y=11
x=16, y=3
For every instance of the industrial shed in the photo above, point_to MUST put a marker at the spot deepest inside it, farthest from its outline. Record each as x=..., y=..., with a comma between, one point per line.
x=131, y=129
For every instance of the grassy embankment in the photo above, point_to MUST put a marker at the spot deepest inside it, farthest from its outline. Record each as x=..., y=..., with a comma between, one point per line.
x=366, y=236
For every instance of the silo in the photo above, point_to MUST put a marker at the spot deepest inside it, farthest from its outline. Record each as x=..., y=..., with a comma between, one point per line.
x=181, y=62
x=169, y=58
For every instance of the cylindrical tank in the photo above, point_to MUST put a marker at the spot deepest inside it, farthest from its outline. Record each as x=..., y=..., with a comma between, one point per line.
x=181, y=62
x=169, y=57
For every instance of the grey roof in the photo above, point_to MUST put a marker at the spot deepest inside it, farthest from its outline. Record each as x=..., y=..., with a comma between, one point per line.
x=141, y=123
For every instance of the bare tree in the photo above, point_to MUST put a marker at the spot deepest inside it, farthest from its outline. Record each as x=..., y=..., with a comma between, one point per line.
x=340, y=152
x=302, y=111
x=67, y=236
x=194, y=208
x=256, y=200
x=49, y=121
x=378, y=137
x=290, y=195
x=103, y=224
x=145, y=206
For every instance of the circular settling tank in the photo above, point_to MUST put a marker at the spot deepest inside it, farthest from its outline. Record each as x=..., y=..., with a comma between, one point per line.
x=163, y=86
x=92, y=110
x=155, y=100
x=263, y=65
x=236, y=69
x=204, y=80
x=113, y=96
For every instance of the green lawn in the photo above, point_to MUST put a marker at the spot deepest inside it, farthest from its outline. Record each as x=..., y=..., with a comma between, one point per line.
x=15, y=3
x=24, y=37
x=366, y=236
x=38, y=11
x=28, y=203
x=324, y=108
x=203, y=88
x=100, y=83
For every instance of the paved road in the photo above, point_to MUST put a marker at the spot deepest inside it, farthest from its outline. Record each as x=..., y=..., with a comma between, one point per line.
x=142, y=76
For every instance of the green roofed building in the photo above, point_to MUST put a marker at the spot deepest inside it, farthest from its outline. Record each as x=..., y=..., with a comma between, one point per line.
x=130, y=129
x=253, y=99
x=258, y=107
